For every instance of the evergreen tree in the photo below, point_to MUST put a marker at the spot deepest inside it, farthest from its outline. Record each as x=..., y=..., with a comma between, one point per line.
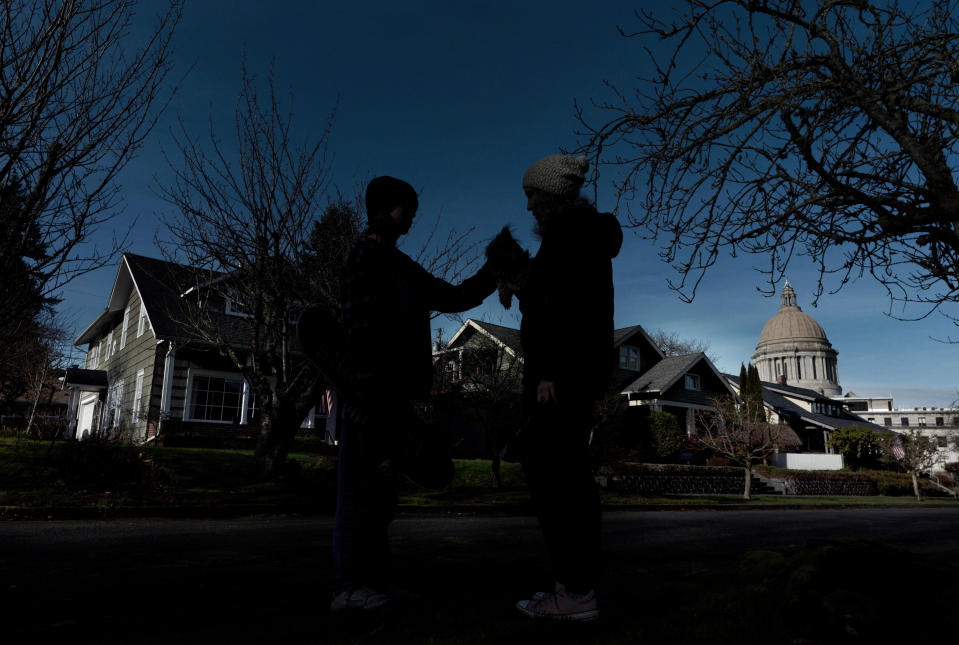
x=753, y=395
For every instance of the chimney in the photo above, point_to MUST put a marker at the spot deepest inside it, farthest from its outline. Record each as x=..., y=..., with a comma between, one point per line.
x=438, y=343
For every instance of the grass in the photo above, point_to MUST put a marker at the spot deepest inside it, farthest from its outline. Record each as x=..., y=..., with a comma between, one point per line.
x=101, y=477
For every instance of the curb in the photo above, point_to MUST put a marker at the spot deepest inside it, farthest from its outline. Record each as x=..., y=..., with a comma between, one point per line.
x=273, y=510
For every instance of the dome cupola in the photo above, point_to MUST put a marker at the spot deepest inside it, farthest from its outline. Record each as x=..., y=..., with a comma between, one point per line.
x=793, y=350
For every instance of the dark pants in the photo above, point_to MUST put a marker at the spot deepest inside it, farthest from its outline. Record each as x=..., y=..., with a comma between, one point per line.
x=555, y=456
x=365, y=499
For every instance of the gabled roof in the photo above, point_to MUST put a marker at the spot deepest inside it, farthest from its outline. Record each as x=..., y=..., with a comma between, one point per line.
x=661, y=376
x=505, y=337
x=625, y=334
x=778, y=396
x=76, y=378
x=161, y=285
x=664, y=374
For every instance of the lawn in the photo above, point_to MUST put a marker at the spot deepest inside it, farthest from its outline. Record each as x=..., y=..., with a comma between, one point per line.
x=38, y=476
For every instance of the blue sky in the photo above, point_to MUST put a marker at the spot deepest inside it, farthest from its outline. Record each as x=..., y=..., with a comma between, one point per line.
x=458, y=98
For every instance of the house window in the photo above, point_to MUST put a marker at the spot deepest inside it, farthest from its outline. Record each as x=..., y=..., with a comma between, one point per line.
x=798, y=368
x=219, y=397
x=629, y=358
x=888, y=421
x=955, y=422
x=93, y=360
x=239, y=304
x=114, y=404
x=123, y=329
x=941, y=441
x=692, y=381
x=137, y=397
x=940, y=421
x=922, y=421
x=904, y=421
x=215, y=398
x=142, y=323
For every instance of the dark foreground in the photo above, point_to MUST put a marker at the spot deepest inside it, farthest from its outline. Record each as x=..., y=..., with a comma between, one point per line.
x=801, y=576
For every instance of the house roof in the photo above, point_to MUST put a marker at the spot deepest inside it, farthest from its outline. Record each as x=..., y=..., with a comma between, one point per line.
x=661, y=376
x=163, y=287
x=778, y=396
x=81, y=379
x=620, y=336
x=505, y=336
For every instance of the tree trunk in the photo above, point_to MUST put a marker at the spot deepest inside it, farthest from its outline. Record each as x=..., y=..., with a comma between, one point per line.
x=273, y=444
x=494, y=471
x=749, y=481
x=915, y=486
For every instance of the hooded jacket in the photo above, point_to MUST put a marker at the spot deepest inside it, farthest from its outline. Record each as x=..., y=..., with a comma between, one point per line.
x=567, y=303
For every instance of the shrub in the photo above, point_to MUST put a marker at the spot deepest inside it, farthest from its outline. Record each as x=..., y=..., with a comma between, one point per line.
x=666, y=437
x=860, y=447
x=102, y=465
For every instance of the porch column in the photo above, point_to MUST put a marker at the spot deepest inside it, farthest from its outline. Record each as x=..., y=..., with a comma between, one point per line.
x=166, y=397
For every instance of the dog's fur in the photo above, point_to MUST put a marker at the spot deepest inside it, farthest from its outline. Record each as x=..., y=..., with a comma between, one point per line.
x=509, y=263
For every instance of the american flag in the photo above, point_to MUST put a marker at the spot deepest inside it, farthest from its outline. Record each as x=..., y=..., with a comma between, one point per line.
x=326, y=405
x=898, y=451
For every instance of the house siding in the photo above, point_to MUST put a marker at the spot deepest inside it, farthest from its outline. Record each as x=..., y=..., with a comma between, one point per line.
x=139, y=353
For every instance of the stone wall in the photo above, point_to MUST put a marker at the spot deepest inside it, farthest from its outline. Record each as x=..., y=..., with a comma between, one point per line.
x=848, y=487
x=657, y=479
x=652, y=479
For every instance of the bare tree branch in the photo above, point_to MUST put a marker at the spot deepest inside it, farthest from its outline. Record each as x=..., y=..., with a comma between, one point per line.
x=785, y=129
x=76, y=103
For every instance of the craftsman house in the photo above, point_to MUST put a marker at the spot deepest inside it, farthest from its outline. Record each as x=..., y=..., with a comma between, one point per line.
x=147, y=373
x=679, y=385
x=813, y=416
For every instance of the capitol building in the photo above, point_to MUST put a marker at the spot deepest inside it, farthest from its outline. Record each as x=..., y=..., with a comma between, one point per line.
x=795, y=355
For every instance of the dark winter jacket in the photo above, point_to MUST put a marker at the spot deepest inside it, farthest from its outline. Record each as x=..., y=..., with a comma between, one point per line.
x=567, y=303
x=387, y=300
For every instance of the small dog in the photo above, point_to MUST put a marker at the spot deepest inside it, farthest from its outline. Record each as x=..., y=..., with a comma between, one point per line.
x=509, y=263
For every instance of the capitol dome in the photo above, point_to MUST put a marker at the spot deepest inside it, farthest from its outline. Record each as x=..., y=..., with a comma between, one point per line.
x=793, y=350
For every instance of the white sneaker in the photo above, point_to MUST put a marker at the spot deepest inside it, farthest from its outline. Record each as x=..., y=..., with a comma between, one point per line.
x=559, y=605
x=359, y=598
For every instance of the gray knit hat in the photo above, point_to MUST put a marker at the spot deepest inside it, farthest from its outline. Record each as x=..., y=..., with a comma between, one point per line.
x=557, y=174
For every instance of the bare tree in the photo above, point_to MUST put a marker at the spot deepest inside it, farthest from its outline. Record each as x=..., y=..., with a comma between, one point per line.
x=262, y=228
x=671, y=344
x=730, y=432
x=243, y=222
x=48, y=363
x=825, y=129
x=77, y=100
x=915, y=453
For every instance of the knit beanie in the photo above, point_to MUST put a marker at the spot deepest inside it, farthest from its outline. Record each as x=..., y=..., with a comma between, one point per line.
x=557, y=174
x=383, y=194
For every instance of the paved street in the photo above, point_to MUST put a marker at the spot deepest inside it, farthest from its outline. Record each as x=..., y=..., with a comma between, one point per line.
x=199, y=579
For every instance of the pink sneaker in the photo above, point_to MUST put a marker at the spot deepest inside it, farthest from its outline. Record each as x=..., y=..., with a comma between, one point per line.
x=559, y=605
